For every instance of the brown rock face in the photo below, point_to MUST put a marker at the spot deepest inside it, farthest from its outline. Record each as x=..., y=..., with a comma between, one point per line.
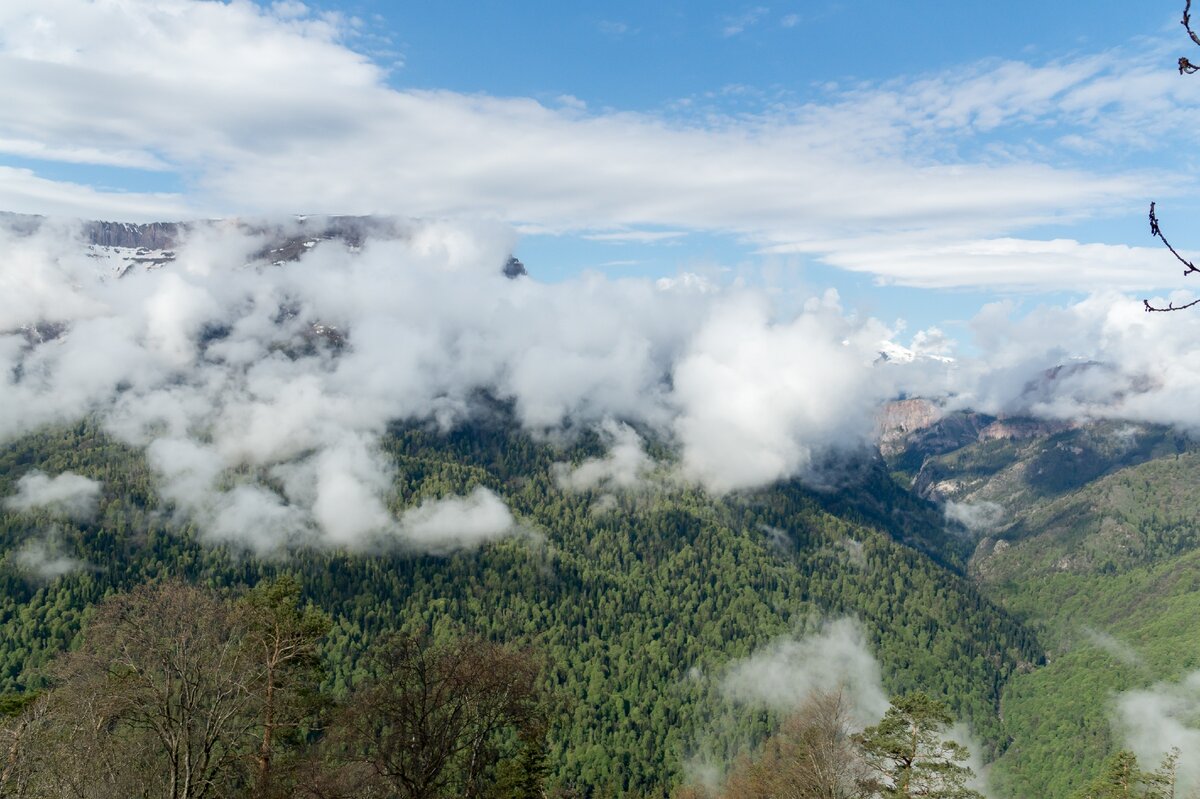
x=899, y=419
x=1022, y=428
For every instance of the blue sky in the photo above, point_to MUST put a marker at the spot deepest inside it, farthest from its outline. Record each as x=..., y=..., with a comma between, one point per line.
x=922, y=158
x=647, y=56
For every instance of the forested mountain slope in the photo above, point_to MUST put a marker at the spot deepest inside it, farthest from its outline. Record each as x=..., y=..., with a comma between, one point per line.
x=1089, y=534
x=638, y=603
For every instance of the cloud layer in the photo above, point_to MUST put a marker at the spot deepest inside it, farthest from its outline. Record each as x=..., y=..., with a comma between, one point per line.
x=1100, y=358
x=260, y=392
x=929, y=180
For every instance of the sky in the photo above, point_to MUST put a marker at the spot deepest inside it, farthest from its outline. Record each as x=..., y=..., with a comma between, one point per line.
x=922, y=159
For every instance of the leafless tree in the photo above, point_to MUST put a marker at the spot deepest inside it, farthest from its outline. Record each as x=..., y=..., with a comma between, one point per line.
x=21, y=736
x=432, y=722
x=1189, y=267
x=812, y=756
x=1185, y=66
x=157, y=702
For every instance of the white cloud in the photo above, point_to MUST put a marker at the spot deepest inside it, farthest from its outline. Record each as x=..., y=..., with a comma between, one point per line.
x=687, y=282
x=348, y=481
x=1158, y=719
x=444, y=525
x=23, y=191
x=281, y=116
x=623, y=468
x=735, y=25
x=1002, y=262
x=80, y=155
x=636, y=236
x=788, y=671
x=836, y=658
x=759, y=400
x=614, y=27
x=68, y=493
x=1114, y=646
x=259, y=428
x=45, y=559
x=977, y=517
x=1100, y=358
x=264, y=433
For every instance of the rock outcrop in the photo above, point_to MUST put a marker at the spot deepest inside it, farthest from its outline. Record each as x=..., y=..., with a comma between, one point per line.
x=899, y=419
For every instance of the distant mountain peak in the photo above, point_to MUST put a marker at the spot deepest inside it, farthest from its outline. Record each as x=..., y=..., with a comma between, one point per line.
x=126, y=245
x=891, y=352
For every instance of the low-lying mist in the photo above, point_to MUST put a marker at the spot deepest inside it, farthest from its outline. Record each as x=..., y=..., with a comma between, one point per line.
x=223, y=361
x=289, y=373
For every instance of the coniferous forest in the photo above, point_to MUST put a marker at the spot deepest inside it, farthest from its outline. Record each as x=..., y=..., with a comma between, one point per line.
x=582, y=658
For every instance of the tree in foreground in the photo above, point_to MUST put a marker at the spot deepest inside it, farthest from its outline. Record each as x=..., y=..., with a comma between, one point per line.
x=909, y=756
x=1122, y=778
x=281, y=638
x=154, y=703
x=813, y=756
x=173, y=693
x=440, y=720
x=1186, y=67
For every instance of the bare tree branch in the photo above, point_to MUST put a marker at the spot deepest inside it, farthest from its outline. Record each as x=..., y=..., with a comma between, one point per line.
x=1185, y=66
x=1156, y=232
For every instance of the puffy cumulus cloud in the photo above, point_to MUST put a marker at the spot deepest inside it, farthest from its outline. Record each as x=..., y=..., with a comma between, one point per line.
x=760, y=399
x=266, y=109
x=444, y=525
x=1100, y=358
x=1161, y=718
x=68, y=493
x=786, y=672
x=260, y=392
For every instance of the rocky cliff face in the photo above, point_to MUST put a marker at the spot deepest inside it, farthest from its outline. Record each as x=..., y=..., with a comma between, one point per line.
x=1019, y=429
x=900, y=419
x=513, y=268
x=922, y=426
x=152, y=236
